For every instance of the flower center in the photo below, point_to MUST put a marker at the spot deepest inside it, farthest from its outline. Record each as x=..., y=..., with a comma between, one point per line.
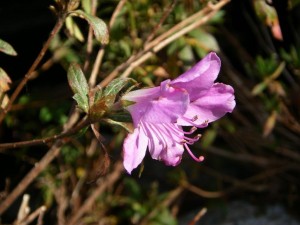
x=166, y=133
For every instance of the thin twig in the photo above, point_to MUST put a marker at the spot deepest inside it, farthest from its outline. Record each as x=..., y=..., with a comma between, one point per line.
x=116, y=13
x=96, y=67
x=244, y=157
x=47, y=140
x=89, y=48
x=167, y=41
x=169, y=200
x=23, y=184
x=39, y=167
x=33, y=67
x=41, y=216
x=106, y=183
x=234, y=181
x=33, y=216
x=203, y=193
x=146, y=53
x=198, y=216
x=161, y=21
x=100, y=54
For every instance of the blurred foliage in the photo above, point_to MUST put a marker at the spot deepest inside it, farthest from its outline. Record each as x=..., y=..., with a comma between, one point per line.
x=251, y=154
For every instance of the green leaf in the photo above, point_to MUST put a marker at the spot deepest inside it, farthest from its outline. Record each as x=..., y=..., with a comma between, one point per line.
x=186, y=54
x=73, y=4
x=7, y=48
x=86, y=5
x=82, y=102
x=208, y=137
x=45, y=114
x=113, y=88
x=126, y=126
x=98, y=25
x=98, y=95
x=79, y=86
x=204, y=41
x=258, y=88
x=74, y=29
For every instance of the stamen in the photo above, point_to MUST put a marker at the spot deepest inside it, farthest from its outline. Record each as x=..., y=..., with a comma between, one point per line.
x=192, y=130
x=190, y=121
x=192, y=140
x=194, y=118
x=199, y=159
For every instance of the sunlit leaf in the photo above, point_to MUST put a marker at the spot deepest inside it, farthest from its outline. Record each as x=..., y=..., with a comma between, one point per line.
x=270, y=124
x=186, y=54
x=259, y=88
x=3, y=100
x=98, y=25
x=86, y=5
x=74, y=29
x=4, y=81
x=73, y=4
x=7, y=48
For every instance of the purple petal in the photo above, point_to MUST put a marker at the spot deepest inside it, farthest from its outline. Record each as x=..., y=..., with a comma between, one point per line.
x=171, y=104
x=142, y=94
x=213, y=105
x=134, y=149
x=162, y=137
x=200, y=77
x=172, y=155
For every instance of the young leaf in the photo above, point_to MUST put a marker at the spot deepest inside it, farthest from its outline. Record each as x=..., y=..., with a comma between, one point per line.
x=4, y=81
x=126, y=126
x=7, y=48
x=97, y=110
x=79, y=86
x=98, y=25
x=95, y=94
x=113, y=88
x=74, y=29
x=86, y=5
x=73, y=4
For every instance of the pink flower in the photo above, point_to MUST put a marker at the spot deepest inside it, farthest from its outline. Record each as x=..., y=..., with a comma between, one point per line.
x=159, y=113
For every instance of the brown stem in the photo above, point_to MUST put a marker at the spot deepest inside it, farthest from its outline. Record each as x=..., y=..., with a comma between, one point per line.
x=100, y=54
x=89, y=48
x=161, y=41
x=33, y=67
x=39, y=167
x=162, y=20
x=42, y=141
x=35, y=171
x=106, y=183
